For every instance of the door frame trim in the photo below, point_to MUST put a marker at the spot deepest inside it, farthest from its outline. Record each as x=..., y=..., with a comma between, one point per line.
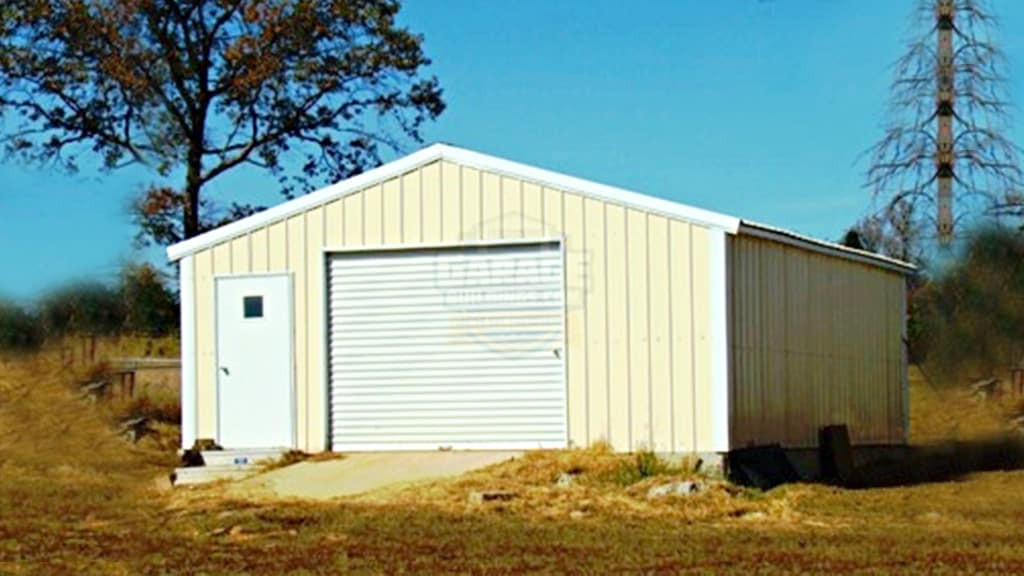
x=325, y=293
x=290, y=290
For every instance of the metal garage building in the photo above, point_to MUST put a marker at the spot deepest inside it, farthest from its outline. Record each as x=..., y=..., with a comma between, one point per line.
x=454, y=299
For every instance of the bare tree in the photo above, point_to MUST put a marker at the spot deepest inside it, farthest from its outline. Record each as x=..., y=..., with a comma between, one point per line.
x=893, y=231
x=945, y=155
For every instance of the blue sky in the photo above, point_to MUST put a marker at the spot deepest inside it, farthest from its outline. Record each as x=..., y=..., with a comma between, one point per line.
x=756, y=108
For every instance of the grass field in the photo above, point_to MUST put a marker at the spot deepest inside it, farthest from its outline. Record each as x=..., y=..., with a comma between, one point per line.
x=77, y=499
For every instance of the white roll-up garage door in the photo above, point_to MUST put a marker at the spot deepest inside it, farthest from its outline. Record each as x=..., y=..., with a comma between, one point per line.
x=457, y=348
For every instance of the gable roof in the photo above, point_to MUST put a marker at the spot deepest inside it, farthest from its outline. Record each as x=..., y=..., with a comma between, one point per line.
x=496, y=165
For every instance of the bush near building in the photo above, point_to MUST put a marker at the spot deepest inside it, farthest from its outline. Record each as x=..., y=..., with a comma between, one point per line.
x=140, y=303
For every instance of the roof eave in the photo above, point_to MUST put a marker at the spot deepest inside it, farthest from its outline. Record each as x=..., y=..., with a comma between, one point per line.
x=829, y=248
x=302, y=203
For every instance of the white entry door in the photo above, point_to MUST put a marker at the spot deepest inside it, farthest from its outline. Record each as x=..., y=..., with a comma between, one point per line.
x=254, y=361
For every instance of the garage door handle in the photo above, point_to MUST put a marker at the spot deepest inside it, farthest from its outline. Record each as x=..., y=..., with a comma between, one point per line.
x=558, y=352
x=225, y=370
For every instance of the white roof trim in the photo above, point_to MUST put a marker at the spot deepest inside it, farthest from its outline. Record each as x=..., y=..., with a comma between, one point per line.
x=303, y=203
x=546, y=178
x=813, y=244
x=459, y=156
x=590, y=188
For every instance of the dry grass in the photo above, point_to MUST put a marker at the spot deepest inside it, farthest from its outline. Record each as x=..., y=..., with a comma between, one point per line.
x=948, y=414
x=603, y=484
x=75, y=498
x=295, y=456
x=83, y=349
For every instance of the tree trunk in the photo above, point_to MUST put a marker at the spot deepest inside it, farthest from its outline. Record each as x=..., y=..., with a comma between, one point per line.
x=193, y=182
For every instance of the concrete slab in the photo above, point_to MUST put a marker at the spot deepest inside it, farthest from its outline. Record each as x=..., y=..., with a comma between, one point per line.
x=359, y=473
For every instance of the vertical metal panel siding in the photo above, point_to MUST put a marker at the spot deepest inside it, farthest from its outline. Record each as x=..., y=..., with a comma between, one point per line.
x=638, y=296
x=452, y=347
x=815, y=341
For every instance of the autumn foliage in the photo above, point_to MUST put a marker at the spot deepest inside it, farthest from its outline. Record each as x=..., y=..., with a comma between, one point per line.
x=309, y=91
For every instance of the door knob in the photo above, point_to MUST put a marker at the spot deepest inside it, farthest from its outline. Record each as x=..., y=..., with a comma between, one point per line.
x=225, y=370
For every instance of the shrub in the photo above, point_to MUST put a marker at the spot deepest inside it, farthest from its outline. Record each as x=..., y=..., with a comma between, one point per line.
x=644, y=465
x=86, y=308
x=969, y=321
x=149, y=307
x=19, y=329
x=139, y=304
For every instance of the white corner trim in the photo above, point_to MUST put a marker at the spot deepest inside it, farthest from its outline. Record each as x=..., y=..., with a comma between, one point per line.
x=719, y=342
x=187, y=303
x=466, y=158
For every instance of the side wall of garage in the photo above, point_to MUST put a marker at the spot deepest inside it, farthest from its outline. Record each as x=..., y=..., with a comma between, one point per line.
x=638, y=296
x=815, y=340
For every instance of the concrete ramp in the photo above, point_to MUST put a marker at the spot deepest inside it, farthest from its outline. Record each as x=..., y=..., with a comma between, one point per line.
x=358, y=473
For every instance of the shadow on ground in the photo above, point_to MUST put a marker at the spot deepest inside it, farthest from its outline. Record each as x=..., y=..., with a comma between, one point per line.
x=766, y=467
x=941, y=463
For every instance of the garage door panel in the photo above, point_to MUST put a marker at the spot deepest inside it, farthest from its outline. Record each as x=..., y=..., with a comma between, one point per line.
x=438, y=329
x=466, y=322
x=445, y=422
x=449, y=432
x=496, y=257
x=436, y=370
x=525, y=299
x=467, y=357
x=441, y=393
x=411, y=278
x=455, y=404
x=409, y=312
x=455, y=380
x=358, y=413
x=403, y=286
x=367, y=377
x=458, y=348
x=466, y=351
x=536, y=340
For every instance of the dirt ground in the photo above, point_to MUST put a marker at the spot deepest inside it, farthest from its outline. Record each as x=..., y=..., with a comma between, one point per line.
x=77, y=498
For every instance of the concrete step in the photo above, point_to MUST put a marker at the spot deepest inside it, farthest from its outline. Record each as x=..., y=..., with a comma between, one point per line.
x=241, y=457
x=204, y=474
x=226, y=465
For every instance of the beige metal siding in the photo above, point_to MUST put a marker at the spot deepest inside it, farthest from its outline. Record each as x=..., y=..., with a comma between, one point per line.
x=815, y=340
x=638, y=296
x=684, y=395
x=596, y=311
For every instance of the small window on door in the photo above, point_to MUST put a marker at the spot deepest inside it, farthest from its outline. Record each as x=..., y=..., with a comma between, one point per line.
x=252, y=306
